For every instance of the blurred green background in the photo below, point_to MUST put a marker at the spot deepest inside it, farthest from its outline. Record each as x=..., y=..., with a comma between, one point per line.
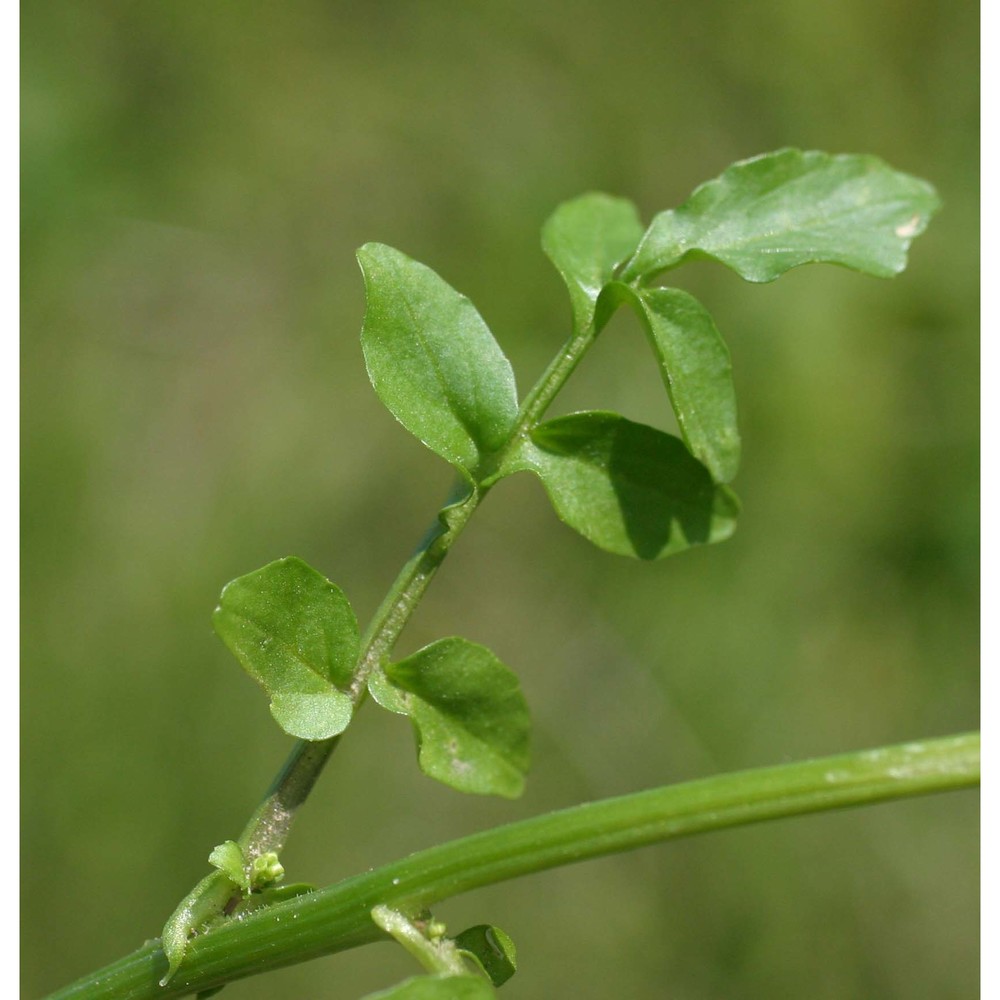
x=196, y=179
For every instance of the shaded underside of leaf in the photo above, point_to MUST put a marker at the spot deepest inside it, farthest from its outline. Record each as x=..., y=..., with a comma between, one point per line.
x=492, y=949
x=586, y=239
x=432, y=359
x=295, y=633
x=471, y=719
x=773, y=212
x=628, y=488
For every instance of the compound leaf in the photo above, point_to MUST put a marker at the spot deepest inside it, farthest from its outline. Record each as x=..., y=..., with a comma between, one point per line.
x=471, y=720
x=586, y=239
x=629, y=488
x=437, y=988
x=432, y=359
x=295, y=633
x=773, y=212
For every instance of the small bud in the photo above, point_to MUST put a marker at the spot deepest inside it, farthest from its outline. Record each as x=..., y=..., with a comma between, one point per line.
x=265, y=870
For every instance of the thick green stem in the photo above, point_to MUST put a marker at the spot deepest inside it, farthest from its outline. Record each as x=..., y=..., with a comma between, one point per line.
x=339, y=917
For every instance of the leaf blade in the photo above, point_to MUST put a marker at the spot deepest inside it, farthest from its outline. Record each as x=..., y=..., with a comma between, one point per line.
x=492, y=949
x=471, y=718
x=763, y=216
x=432, y=359
x=295, y=633
x=630, y=489
x=586, y=239
x=697, y=371
x=228, y=858
x=199, y=907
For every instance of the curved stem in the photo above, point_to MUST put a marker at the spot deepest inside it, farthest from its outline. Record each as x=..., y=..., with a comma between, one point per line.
x=338, y=918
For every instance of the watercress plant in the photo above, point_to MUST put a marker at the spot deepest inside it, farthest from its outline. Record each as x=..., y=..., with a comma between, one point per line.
x=628, y=488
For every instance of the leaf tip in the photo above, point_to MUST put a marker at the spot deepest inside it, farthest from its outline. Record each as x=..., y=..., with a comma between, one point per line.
x=369, y=250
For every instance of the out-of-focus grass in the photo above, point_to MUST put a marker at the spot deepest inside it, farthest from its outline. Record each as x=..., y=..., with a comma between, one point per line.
x=196, y=178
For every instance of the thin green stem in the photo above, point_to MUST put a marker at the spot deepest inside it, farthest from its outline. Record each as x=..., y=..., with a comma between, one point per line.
x=553, y=379
x=271, y=822
x=339, y=917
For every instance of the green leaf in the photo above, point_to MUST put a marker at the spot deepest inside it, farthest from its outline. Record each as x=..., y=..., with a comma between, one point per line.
x=386, y=694
x=586, y=239
x=471, y=719
x=199, y=907
x=432, y=359
x=492, y=949
x=295, y=633
x=437, y=988
x=228, y=858
x=696, y=369
x=628, y=488
x=459, y=505
x=771, y=213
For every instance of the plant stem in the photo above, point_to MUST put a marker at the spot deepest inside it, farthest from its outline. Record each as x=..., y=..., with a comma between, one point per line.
x=553, y=379
x=269, y=826
x=338, y=918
